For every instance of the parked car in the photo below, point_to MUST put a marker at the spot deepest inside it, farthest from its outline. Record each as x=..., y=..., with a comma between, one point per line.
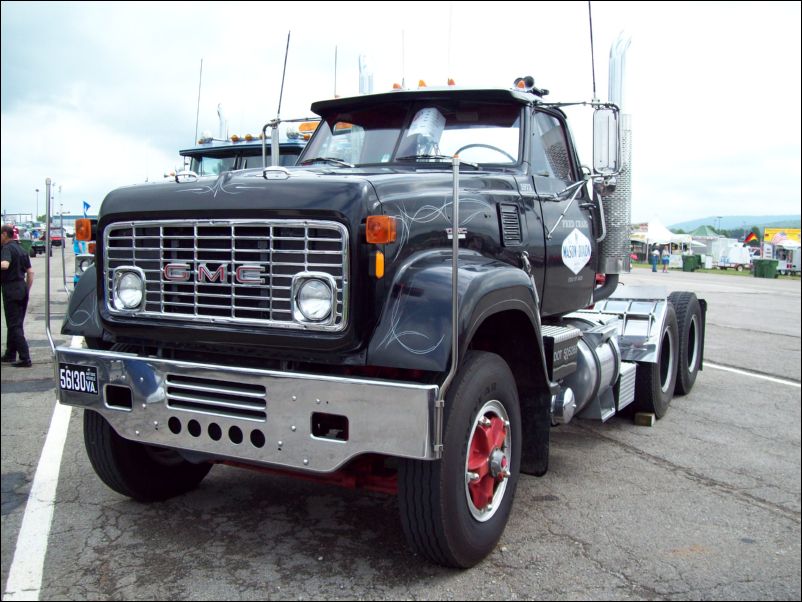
x=56, y=236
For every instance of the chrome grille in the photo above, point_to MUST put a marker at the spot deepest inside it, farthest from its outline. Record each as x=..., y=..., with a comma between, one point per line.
x=191, y=268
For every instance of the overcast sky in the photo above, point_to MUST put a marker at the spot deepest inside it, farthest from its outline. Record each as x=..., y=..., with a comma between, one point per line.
x=99, y=95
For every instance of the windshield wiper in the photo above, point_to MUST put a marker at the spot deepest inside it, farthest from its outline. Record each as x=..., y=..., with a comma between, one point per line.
x=332, y=160
x=433, y=158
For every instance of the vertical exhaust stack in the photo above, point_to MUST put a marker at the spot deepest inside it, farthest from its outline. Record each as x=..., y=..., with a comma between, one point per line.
x=614, y=249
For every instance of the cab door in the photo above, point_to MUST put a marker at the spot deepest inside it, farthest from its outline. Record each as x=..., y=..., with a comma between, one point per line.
x=568, y=232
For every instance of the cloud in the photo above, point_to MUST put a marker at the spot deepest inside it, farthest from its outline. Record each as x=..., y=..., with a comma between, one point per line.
x=101, y=94
x=91, y=157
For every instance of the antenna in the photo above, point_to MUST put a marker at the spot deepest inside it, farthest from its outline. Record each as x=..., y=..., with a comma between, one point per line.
x=403, y=57
x=197, y=113
x=281, y=93
x=274, y=142
x=450, y=19
x=335, y=72
x=592, y=60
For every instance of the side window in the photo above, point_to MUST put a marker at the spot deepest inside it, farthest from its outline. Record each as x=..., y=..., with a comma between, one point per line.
x=550, y=156
x=251, y=161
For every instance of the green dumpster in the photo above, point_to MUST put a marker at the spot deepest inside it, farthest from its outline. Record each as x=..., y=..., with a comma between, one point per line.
x=27, y=245
x=690, y=263
x=765, y=268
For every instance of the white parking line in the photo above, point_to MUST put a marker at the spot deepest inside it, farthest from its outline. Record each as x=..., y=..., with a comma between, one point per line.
x=25, y=574
x=773, y=379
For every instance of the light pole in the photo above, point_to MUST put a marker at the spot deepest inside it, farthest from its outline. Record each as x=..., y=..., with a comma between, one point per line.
x=37, y=205
x=718, y=224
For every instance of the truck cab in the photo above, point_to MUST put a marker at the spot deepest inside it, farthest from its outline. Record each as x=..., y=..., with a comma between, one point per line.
x=212, y=156
x=410, y=307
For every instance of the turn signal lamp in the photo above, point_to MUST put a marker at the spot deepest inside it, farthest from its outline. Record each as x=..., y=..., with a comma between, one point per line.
x=380, y=229
x=342, y=125
x=83, y=229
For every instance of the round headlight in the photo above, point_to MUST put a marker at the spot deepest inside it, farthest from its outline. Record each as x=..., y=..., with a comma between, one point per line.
x=128, y=291
x=85, y=264
x=314, y=300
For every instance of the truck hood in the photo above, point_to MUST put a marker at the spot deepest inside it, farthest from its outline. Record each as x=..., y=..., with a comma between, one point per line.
x=295, y=194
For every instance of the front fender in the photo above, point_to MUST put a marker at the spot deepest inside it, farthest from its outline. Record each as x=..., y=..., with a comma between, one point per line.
x=82, y=318
x=414, y=330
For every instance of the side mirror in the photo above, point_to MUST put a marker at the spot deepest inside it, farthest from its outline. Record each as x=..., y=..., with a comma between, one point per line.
x=606, y=140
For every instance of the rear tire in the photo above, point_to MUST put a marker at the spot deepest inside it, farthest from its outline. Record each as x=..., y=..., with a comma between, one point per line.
x=142, y=472
x=454, y=510
x=655, y=382
x=689, y=323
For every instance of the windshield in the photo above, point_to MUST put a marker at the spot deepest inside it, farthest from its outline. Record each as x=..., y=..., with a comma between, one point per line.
x=211, y=166
x=480, y=132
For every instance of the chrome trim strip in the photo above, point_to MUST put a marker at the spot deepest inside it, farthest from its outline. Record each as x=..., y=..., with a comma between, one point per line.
x=384, y=417
x=158, y=301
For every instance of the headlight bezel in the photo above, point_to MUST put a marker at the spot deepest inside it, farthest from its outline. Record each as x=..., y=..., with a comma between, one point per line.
x=119, y=274
x=302, y=279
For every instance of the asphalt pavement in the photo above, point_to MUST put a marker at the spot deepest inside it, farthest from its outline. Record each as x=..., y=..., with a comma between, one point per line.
x=703, y=505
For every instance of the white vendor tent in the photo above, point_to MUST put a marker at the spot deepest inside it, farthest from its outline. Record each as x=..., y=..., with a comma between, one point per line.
x=658, y=234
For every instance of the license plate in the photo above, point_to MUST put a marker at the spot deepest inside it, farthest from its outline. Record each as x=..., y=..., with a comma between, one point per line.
x=82, y=379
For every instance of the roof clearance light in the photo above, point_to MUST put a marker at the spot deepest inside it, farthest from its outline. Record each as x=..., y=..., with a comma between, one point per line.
x=248, y=137
x=451, y=81
x=380, y=229
x=421, y=83
x=396, y=86
x=520, y=84
x=308, y=126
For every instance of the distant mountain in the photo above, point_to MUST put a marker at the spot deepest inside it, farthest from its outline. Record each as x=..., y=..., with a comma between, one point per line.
x=731, y=222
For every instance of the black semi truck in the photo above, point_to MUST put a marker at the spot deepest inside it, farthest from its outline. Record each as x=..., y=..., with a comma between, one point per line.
x=411, y=308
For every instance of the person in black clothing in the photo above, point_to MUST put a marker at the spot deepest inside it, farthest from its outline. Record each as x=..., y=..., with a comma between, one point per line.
x=17, y=279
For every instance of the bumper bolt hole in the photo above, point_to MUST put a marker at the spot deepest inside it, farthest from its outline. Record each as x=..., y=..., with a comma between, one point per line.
x=235, y=435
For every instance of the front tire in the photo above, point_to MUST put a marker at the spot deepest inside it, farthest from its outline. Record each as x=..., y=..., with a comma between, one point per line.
x=454, y=510
x=142, y=472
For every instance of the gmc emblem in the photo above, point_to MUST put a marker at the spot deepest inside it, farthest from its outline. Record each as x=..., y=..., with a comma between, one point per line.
x=181, y=272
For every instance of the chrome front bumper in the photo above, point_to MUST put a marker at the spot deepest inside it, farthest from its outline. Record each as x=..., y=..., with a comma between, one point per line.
x=260, y=416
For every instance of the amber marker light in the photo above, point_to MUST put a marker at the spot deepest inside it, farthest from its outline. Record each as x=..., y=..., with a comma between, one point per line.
x=83, y=229
x=90, y=248
x=380, y=229
x=377, y=265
